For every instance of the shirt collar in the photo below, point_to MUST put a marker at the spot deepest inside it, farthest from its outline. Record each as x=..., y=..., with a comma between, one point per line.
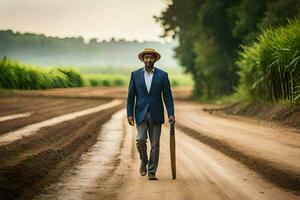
x=145, y=69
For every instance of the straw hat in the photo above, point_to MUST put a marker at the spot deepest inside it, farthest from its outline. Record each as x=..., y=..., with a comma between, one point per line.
x=149, y=51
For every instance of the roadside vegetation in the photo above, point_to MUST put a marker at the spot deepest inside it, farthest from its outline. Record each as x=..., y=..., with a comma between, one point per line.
x=17, y=75
x=237, y=50
x=269, y=69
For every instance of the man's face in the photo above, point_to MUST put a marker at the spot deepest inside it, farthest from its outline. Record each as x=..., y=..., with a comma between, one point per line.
x=149, y=59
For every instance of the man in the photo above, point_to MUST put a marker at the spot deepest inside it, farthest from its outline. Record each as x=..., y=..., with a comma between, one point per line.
x=146, y=87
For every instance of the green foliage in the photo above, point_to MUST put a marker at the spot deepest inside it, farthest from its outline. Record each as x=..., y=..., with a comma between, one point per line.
x=270, y=68
x=14, y=75
x=279, y=12
x=207, y=48
x=105, y=80
x=75, y=79
x=210, y=35
x=118, y=79
x=245, y=17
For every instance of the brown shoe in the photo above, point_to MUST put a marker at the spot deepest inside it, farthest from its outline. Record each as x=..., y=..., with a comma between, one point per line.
x=143, y=169
x=152, y=176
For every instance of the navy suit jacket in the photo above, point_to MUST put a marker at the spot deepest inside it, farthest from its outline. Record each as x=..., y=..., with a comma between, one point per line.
x=139, y=99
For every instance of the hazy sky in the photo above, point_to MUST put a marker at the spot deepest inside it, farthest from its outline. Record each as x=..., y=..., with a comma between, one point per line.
x=103, y=19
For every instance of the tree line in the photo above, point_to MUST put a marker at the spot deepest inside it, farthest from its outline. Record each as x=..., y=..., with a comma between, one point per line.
x=246, y=46
x=44, y=50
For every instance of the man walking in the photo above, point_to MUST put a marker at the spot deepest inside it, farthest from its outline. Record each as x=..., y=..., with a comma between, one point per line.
x=144, y=103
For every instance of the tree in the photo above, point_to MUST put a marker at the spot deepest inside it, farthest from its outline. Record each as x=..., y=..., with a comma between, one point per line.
x=211, y=32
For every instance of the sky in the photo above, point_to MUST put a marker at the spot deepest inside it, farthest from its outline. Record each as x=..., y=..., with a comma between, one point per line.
x=101, y=19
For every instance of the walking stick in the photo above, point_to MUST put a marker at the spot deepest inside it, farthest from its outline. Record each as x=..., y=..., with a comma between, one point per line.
x=172, y=149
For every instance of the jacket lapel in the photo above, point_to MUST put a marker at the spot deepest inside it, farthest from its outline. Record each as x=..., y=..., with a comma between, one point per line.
x=143, y=80
x=153, y=79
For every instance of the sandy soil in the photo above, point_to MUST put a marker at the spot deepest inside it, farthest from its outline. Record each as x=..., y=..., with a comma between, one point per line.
x=30, y=163
x=110, y=171
x=32, y=129
x=41, y=108
x=93, y=156
x=179, y=93
x=267, y=148
x=285, y=115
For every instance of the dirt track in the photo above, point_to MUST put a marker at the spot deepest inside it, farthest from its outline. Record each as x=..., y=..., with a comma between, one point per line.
x=94, y=156
x=180, y=93
x=203, y=173
x=28, y=164
x=40, y=109
x=269, y=149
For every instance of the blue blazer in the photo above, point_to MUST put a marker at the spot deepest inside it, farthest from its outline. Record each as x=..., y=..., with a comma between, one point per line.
x=139, y=99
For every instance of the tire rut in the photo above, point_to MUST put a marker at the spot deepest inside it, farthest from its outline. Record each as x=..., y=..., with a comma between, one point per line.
x=43, y=163
x=48, y=111
x=280, y=177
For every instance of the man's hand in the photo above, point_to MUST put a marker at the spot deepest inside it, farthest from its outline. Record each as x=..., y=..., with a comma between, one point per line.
x=171, y=119
x=130, y=121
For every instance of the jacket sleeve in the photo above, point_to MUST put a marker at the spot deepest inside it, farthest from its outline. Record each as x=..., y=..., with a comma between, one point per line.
x=131, y=97
x=167, y=95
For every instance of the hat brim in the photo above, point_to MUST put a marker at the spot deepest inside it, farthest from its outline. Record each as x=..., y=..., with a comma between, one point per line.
x=157, y=55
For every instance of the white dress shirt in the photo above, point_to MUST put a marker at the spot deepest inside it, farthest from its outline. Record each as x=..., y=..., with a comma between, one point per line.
x=148, y=78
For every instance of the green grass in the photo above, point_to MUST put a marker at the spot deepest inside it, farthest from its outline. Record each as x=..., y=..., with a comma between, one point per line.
x=176, y=80
x=181, y=80
x=16, y=75
x=119, y=76
x=105, y=80
x=270, y=68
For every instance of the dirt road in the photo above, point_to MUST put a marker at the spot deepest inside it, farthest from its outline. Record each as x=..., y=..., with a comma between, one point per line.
x=179, y=93
x=271, y=150
x=49, y=141
x=110, y=171
x=85, y=149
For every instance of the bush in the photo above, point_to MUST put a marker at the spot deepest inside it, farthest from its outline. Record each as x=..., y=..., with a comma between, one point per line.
x=94, y=82
x=75, y=79
x=17, y=76
x=105, y=79
x=118, y=82
x=174, y=83
x=270, y=68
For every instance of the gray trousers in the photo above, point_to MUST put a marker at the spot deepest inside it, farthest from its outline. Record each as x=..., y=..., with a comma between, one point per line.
x=141, y=140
